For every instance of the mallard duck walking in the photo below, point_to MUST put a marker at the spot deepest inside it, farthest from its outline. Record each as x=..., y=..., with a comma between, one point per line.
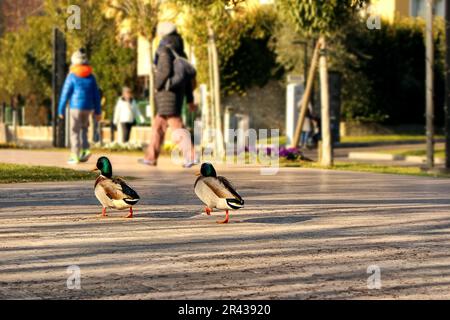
x=113, y=192
x=216, y=192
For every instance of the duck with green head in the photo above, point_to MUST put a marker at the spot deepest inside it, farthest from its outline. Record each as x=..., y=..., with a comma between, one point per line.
x=112, y=192
x=216, y=191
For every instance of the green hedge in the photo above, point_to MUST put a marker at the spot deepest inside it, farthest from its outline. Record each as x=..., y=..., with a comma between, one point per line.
x=254, y=61
x=245, y=57
x=384, y=73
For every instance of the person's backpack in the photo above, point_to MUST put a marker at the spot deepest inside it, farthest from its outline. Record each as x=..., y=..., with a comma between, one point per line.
x=183, y=71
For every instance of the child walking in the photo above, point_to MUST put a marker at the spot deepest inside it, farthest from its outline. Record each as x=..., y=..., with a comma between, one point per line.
x=81, y=91
x=126, y=114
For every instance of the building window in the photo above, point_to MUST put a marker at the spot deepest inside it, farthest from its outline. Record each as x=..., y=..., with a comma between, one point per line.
x=439, y=8
x=418, y=8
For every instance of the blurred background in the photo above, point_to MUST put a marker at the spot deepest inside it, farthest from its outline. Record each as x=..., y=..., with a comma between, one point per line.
x=375, y=60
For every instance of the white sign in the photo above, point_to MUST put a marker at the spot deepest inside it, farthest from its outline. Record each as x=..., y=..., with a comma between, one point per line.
x=143, y=65
x=294, y=95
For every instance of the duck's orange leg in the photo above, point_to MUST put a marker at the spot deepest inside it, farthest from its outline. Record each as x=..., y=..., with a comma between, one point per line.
x=208, y=211
x=104, y=213
x=130, y=215
x=227, y=218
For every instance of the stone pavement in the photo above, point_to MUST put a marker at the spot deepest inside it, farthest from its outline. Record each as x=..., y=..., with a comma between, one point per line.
x=304, y=234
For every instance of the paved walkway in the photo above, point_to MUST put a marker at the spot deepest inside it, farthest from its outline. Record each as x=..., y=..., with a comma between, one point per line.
x=341, y=154
x=294, y=239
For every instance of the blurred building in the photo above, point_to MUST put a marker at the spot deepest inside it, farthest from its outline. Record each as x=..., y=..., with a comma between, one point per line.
x=13, y=13
x=389, y=9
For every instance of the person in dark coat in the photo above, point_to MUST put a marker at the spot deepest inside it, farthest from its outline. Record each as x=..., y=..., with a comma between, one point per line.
x=169, y=101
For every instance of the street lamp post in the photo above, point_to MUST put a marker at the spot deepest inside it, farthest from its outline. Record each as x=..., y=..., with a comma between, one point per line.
x=447, y=84
x=58, y=75
x=429, y=85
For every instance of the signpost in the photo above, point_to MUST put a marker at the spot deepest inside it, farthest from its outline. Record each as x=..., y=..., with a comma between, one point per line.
x=429, y=85
x=58, y=76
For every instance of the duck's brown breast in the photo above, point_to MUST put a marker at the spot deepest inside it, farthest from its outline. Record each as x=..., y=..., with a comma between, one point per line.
x=99, y=179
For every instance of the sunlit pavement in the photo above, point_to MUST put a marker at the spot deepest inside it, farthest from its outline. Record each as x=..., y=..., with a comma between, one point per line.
x=303, y=234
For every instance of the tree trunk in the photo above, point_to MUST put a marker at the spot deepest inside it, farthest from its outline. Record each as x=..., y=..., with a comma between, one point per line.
x=429, y=84
x=211, y=110
x=14, y=106
x=209, y=116
x=306, y=97
x=327, y=152
x=151, y=83
x=216, y=92
x=206, y=116
x=447, y=84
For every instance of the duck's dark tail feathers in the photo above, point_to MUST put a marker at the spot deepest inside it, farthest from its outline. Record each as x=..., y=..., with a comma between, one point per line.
x=131, y=202
x=235, y=203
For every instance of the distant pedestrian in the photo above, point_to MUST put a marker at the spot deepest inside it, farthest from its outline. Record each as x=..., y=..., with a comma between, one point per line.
x=174, y=82
x=308, y=127
x=81, y=91
x=126, y=114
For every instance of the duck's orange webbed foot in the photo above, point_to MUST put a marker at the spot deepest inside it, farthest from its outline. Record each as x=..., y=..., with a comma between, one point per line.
x=130, y=215
x=208, y=211
x=227, y=218
x=104, y=215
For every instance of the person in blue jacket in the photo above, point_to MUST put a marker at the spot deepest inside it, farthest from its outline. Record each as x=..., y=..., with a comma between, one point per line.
x=81, y=91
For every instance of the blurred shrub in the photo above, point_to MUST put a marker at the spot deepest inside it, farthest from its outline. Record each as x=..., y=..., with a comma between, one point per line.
x=26, y=55
x=253, y=63
x=383, y=71
x=242, y=38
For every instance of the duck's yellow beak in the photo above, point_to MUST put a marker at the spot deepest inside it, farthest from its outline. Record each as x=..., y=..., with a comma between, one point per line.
x=198, y=174
x=95, y=170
